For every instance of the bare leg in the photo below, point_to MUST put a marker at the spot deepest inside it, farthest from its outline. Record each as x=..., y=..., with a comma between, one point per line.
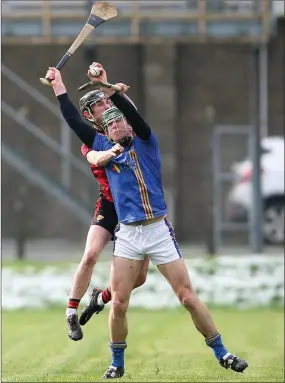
x=106, y=294
x=97, y=239
x=124, y=273
x=143, y=273
x=177, y=275
x=100, y=298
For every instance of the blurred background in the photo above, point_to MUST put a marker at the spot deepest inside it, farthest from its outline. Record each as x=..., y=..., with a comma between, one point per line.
x=209, y=78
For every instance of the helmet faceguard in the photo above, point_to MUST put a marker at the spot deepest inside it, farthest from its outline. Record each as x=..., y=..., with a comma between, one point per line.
x=86, y=102
x=116, y=127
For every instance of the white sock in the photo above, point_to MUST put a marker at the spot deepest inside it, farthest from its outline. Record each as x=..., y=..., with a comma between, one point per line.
x=100, y=300
x=70, y=311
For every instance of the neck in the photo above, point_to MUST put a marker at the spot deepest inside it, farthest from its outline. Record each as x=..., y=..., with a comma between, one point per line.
x=126, y=141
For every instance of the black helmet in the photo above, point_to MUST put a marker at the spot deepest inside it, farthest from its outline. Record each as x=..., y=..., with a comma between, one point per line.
x=89, y=99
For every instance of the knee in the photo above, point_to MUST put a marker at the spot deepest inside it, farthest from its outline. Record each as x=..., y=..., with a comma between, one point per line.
x=188, y=298
x=90, y=257
x=119, y=305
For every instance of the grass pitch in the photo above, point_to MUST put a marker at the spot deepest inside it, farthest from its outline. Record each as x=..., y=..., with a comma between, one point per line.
x=163, y=346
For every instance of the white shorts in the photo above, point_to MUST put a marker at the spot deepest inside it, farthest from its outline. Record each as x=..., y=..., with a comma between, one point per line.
x=156, y=241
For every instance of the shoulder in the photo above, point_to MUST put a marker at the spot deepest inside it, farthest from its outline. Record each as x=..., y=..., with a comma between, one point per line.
x=101, y=142
x=151, y=141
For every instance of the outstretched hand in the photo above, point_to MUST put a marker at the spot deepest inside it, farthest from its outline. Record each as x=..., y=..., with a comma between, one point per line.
x=102, y=77
x=54, y=75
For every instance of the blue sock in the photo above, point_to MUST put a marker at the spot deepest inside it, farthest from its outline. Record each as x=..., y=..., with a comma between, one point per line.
x=118, y=350
x=216, y=343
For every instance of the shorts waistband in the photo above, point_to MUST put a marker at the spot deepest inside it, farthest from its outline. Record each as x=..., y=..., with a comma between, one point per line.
x=145, y=226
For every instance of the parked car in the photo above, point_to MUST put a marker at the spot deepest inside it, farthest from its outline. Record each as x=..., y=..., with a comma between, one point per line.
x=239, y=201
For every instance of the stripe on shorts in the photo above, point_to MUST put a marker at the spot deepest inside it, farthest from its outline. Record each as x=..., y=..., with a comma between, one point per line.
x=172, y=234
x=98, y=207
x=117, y=228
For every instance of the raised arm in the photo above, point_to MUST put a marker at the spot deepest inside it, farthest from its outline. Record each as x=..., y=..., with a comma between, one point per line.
x=140, y=127
x=71, y=115
x=74, y=120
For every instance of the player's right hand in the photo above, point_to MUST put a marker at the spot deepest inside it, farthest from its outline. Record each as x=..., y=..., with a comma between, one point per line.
x=54, y=75
x=124, y=87
x=116, y=150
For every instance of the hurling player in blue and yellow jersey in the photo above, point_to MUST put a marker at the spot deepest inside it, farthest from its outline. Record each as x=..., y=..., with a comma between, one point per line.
x=131, y=156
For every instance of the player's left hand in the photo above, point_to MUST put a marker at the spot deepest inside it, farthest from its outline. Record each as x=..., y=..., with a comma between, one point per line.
x=102, y=76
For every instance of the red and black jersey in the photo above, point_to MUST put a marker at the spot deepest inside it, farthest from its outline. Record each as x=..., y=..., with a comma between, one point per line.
x=100, y=175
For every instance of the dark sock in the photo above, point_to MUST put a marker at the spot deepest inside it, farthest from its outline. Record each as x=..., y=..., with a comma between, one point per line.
x=106, y=295
x=118, y=350
x=73, y=303
x=216, y=343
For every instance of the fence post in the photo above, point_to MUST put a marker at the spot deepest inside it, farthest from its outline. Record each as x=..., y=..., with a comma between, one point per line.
x=211, y=241
x=66, y=148
x=21, y=218
x=256, y=217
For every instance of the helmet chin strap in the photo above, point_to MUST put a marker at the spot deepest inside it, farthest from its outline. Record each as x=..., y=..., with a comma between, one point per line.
x=95, y=125
x=98, y=128
x=92, y=118
x=124, y=142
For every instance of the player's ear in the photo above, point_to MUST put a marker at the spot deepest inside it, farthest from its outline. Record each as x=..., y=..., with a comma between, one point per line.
x=86, y=114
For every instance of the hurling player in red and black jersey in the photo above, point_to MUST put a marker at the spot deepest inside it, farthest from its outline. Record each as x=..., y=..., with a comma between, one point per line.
x=92, y=105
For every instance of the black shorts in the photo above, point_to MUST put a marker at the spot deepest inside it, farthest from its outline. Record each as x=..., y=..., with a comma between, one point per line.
x=105, y=215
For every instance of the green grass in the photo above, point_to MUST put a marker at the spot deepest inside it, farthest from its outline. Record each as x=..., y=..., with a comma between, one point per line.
x=163, y=346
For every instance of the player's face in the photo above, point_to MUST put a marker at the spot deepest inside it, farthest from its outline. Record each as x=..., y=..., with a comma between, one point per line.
x=119, y=129
x=98, y=108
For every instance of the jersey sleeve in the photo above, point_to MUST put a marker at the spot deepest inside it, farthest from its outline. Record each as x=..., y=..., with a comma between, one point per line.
x=85, y=150
x=101, y=143
x=74, y=120
x=139, y=125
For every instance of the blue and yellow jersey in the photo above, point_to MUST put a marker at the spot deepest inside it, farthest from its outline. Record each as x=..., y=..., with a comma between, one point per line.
x=135, y=179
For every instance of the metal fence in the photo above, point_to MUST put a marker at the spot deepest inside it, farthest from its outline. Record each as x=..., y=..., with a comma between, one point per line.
x=49, y=20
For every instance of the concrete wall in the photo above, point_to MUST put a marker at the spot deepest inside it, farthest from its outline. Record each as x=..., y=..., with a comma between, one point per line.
x=171, y=84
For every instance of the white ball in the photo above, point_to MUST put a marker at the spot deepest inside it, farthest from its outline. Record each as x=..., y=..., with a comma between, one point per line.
x=95, y=71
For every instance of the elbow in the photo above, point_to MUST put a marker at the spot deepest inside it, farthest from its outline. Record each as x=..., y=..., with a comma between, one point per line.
x=93, y=159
